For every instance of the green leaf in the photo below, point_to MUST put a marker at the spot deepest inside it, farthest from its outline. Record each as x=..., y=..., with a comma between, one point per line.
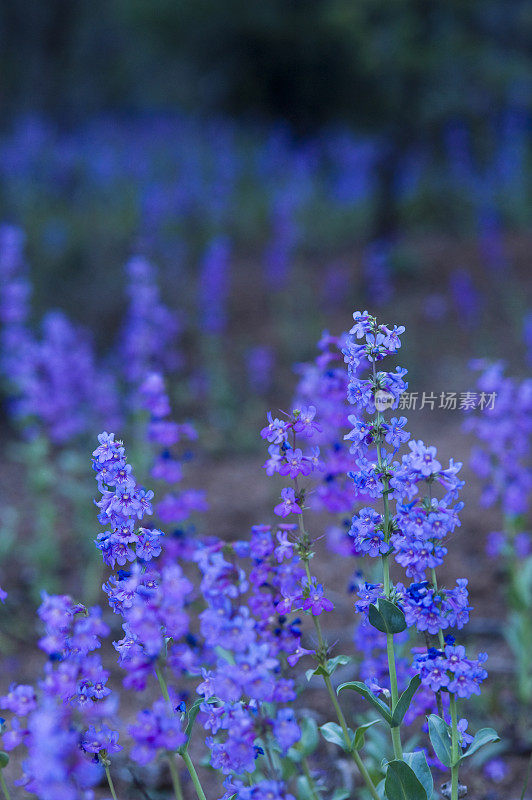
x=440, y=736
x=340, y=794
x=418, y=762
x=309, y=736
x=192, y=713
x=332, y=732
x=303, y=790
x=223, y=653
x=484, y=736
x=404, y=701
x=401, y=783
x=4, y=759
x=337, y=661
x=361, y=688
x=360, y=733
x=330, y=667
x=318, y=671
x=386, y=616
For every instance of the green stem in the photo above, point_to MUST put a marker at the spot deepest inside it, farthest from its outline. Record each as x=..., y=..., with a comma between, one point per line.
x=356, y=758
x=390, y=650
x=176, y=783
x=162, y=683
x=111, y=784
x=310, y=779
x=194, y=776
x=435, y=584
x=365, y=775
x=395, y=731
x=332, y=694
x=3, y=784
x=455, y=754
x=339, y=713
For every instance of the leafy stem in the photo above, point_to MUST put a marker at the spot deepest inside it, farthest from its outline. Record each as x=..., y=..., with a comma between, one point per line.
x=455, y=754
x=3, y=784
x=390, y=651
x=332, y=694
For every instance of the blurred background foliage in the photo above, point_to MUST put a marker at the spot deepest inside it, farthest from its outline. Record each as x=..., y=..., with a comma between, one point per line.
x=320, y=137
x=333, y=144
x=405, y=68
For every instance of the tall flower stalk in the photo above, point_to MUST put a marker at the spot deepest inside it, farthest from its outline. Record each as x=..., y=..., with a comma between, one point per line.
x=150, y=600
x=289, y=459
x=413, y=537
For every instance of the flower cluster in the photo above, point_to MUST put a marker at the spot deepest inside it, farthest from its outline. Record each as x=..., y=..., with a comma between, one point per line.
x=151, y=601
x=151, y=598
x=63, y=724
x=163, y=432
x=148, y=339
x=156, y=729
x=245, y=687
x=432, y=610
x=54, y=382
x=503, y=457
x=290, y=461
x=449, y=668
x=122, y=505
x=323, y=384
x=285, y=458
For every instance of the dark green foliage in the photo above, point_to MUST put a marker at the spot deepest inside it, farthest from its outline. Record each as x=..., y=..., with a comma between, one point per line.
x=404, y=701
x=402, y=784
x=405, y=68
x=361, y=688
x=386, y=617
x=440, y=737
